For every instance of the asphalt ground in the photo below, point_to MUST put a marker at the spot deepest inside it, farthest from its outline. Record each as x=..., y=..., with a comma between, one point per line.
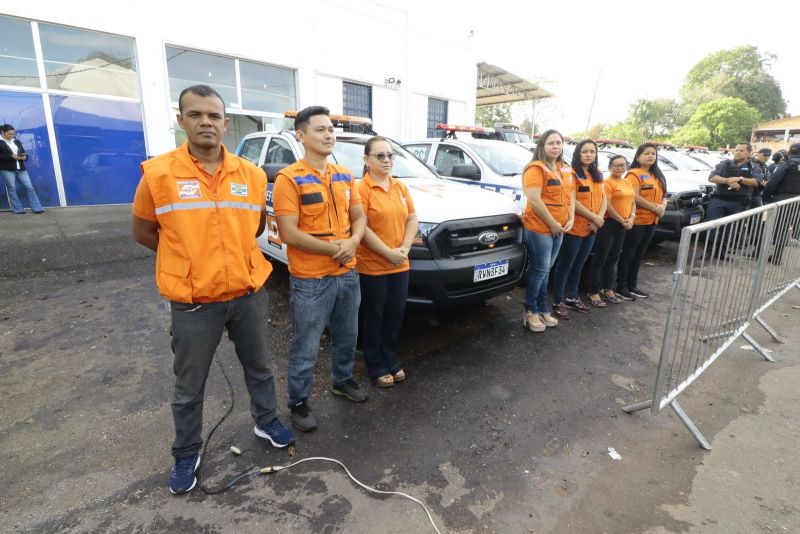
x=496, y=429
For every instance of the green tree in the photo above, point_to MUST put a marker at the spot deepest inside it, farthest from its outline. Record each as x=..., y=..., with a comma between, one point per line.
x=727, y=120
x=653, y=117
x=491, y=114
x=739, y=73
x=692, y=134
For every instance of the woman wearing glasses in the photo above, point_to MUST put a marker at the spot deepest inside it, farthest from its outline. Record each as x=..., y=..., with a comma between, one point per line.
x=549, y=212
x=620, y=213
x=382, y=261
x=649, y=187
x=590, y=208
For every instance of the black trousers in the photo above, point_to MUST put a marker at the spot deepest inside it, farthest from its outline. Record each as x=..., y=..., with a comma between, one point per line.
x=633, y=247
x=607, y=246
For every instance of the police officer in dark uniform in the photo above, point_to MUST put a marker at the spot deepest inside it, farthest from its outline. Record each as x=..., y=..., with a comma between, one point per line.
x=760, y=158
x=785, y=184
x=734, y=183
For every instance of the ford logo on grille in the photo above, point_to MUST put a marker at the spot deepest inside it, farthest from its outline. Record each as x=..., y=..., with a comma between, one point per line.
x=488, y=237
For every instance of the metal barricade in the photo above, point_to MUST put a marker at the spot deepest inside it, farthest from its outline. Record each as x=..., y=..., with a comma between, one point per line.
x=728, y=272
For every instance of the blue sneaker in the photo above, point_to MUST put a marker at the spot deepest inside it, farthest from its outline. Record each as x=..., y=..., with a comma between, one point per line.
x=276, y=433
x=182, y=478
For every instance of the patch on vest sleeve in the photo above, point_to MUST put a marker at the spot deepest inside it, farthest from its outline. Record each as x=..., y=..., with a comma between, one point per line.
x=239, y=190
x=188, y=189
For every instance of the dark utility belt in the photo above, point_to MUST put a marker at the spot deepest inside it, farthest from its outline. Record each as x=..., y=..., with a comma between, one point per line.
x=731, y=198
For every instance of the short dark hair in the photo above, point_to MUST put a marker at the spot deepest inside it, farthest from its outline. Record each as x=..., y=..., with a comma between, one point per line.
x=767, y=152
x=748, y=145
x=794, y=149
x=305, y=114
x=199, y=90
x=7, y=128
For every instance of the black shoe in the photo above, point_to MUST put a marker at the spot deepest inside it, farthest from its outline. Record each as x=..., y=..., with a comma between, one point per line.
x=625, y=294
x=350, y=389
x=636, y=292
x=302, y=418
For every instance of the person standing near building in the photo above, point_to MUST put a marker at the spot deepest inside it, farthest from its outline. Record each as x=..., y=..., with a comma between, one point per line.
x=620, y=214
x=761, y=158
x=590, y=210
x=382, y=261
x=785, y=184
x=549, y=213
x=200, y=208
x=321, y=221
x=649, y=188
x=12, y=167
x=734, y=181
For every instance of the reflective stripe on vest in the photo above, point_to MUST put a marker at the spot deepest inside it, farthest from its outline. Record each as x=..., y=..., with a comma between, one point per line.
x=230, y=204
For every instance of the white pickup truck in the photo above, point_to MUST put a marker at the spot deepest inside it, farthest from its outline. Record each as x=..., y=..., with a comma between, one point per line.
x=469, y=245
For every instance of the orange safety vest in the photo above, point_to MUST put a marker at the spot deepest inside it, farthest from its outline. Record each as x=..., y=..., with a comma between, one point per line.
x=322, y=204
x=590, y=194
x=207, y=250
x=556, y=190
x=650, y=189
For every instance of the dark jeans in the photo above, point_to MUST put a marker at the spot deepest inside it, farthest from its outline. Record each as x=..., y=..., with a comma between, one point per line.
x=383, y=302
x=571, y=258
x=717, y=209
x=789, y=218
x=633, y=247
x=606, y=253
x=315, y=303
x=196, y=332
x=542, y=252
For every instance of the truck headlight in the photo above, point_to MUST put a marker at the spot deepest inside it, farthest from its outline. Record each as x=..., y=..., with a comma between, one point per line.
x=424, y=230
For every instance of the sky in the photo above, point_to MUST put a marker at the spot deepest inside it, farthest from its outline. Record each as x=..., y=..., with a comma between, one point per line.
x=636, y=49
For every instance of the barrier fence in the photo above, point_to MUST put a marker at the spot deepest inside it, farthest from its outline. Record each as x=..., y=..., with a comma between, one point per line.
x=728, y=272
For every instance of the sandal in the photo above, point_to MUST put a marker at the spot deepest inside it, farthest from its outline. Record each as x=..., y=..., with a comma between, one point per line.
x=385, y=381
x=610, y=296
x=577, y=305
x=596, y=301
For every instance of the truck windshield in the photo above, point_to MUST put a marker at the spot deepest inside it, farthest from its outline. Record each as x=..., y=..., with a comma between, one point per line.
x=506, y=159
x=349, y=151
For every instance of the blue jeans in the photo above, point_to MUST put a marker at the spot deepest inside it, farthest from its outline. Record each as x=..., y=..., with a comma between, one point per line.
x=315, y=303
x=542, y=252
x=383, y=302
x=196, y=333
x=11, y=177
x=571, y=257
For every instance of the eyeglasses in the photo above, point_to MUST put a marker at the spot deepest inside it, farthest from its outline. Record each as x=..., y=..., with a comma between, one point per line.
x=380, y=156
x=619, y=166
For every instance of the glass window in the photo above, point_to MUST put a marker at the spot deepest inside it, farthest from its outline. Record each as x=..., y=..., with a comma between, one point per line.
x=17, y=56
x=506, y=159
x=100, y=145
x=279, y=152
x=448, y=156
x=357, y=99
x=266, y=88
x=187, y=67
x=420, y=151
x=89, y=62
x=251, y=149
x=437, y=113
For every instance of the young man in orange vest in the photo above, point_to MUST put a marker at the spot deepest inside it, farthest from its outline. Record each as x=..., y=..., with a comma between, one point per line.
x=321, y=221
x=200, y=208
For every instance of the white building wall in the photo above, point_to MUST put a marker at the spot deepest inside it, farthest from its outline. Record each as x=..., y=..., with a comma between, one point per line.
x=326, y=41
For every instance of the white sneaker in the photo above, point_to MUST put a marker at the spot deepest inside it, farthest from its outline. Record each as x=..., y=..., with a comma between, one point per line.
x=533, y=322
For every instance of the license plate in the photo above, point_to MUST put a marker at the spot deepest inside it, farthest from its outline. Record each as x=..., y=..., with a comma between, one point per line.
x=487, y=271
x=694, y=219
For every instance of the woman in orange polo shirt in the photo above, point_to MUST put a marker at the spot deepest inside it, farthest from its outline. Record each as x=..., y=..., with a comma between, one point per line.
x=649, y=188
x=590, y=209
x=549, y=212
x=382, y=261
x=620, y=213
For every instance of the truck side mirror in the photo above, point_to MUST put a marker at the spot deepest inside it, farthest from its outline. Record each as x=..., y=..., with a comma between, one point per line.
x=272, y=170
x=470, y=172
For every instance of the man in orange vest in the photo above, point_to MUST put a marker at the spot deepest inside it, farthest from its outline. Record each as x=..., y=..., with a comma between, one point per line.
x=321, y=221
x=200, y=209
